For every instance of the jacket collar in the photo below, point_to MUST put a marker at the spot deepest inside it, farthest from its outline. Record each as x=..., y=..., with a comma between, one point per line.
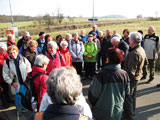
x=109, y=66
x=62, y=109
x=135, y=47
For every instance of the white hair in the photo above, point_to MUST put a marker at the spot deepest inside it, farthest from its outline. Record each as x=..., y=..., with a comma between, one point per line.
x=115, y=39
x=100, y=32
x=53, y=44
x=64, y=42
x=41, y=60
x=3, y=46
x=68, y=34
x=117, y=35
x=64, y=86
x=136, y=36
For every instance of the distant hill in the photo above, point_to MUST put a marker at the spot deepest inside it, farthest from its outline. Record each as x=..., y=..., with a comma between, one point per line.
x=113, y=16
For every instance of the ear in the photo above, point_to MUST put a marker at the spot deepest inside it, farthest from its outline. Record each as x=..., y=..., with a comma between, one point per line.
x=107, y=60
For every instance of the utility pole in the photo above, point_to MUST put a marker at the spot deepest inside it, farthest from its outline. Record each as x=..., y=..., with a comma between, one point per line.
x=11, y=14
x=93, y=11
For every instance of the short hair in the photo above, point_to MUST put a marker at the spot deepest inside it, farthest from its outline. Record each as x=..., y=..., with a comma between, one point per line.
x=115, y=55
x=68, y=34
x=41, y=33
x=152, y=27
x=140, y=31
x=100, y=32
x=126, y=30
x=41, y=60
x=33, y=43
x=75, y=33
x=11, y=48
x=64, y=86
x=53, y=44
x=64, y=42
x=58, y=36
x=3, y=46
x=10, y=36
x=116, y=39
x=136, y=36
x=117, y=35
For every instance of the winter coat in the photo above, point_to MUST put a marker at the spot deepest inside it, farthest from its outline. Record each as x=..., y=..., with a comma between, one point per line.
x=66, y=59
x=108, y=91
x=134, y=62
x=9, y=73
x=60, y=112
x=30, y=55
x=39, y=83
x=40, y=45
x=97, y=42
x=124, y=47
x=126, y=40
x=3, y=57
x=76, y=49
x=21, y=42
x=105, y=45
x=91, y=32
x=90, y=49
x=9, y=43
x=84, y=39
x=151, y=46
x=54, y=62
x=81, y=104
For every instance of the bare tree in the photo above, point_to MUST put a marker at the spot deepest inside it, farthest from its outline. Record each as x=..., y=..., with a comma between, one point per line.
x=48, y=19
x=60, y=16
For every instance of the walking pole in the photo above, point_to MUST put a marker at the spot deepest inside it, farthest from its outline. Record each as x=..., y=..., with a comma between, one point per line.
x=17, y=104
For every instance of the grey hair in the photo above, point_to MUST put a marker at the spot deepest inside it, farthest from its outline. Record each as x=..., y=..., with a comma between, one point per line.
x=117, y=35
x=53, y=44
x=115, y=39
x=64, y=86
x=152, y=27
x=3, y=46
x=100, y=32
x=136, y=36
x=68, y=34
x=75, y=33
x=41, y=60
x=64, y=42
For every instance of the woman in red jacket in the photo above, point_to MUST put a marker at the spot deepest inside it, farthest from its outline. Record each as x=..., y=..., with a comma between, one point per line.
x=40, y=65
x=66, y=59
x=5, y=93
x=54, y=56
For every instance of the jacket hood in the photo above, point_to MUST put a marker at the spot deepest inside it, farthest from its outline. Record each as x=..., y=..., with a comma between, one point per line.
x=37, y=69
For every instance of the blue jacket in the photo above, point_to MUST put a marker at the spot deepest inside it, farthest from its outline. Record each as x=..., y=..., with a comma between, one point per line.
x=40, y=45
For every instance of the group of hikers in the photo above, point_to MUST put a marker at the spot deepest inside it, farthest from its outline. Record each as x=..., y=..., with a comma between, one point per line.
x=112, y=63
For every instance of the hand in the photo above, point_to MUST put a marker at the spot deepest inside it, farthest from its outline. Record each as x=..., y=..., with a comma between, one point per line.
x=89, y=56
x=15, y=85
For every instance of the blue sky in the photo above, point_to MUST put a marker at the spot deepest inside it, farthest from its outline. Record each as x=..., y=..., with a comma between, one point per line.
x=128, y=8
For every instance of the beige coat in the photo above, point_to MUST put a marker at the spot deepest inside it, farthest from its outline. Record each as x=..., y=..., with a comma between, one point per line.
x=135, y=61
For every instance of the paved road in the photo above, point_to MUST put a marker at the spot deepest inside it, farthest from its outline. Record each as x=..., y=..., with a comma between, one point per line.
x=148, y=102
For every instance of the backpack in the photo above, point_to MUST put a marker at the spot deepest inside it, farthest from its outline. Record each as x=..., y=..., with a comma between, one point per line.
x=26, y=92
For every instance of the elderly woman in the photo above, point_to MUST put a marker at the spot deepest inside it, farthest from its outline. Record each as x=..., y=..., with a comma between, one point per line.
x=47, y=38
x=40, y=65
x=81, y=103
x=68, y=37
x=63, y=87
x=15, y=68
x=31, y=52
x=66, y=59
x=10, y=40
x=54, y=57
x=76, y=48
x=109, y=88
x=90, y=54
x=5, y=95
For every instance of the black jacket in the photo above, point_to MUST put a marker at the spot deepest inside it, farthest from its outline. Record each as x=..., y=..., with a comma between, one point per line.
x=59, y=112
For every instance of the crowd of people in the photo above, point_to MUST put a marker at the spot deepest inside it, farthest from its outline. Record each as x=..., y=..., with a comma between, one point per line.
x=115, y=64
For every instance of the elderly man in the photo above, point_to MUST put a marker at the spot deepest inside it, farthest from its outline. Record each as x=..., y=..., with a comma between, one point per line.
x=94, y=26
x=22, y=40
x=118, y=43
x=133, y=65
x=105, y=45
x=151, y=47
